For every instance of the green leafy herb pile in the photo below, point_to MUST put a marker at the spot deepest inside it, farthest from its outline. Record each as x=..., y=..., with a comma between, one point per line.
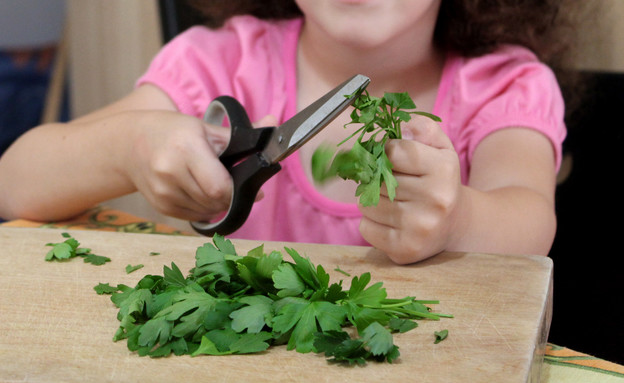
x=232, y=304
x=367, y=163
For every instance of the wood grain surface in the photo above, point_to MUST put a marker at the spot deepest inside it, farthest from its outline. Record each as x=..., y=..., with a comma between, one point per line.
x=55, y=328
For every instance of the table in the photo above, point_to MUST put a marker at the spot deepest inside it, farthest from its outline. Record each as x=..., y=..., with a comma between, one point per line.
x=560, y=364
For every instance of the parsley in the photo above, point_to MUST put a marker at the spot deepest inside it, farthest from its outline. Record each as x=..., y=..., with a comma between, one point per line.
x=367, y=163
x=68, y=249
x=105, y=288
x=94, y=259
x=233, y=304
x=440, y=336
x=131, y=269
x=341, y=271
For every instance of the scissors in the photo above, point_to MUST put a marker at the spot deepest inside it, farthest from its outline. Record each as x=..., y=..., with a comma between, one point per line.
x=253, y=154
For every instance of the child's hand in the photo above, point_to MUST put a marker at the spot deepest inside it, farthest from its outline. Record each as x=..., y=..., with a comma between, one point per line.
x=420, y=221
x=175, y=165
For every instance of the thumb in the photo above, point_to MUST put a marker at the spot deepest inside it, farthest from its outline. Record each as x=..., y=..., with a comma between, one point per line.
x=426, y=131
x=218, y=137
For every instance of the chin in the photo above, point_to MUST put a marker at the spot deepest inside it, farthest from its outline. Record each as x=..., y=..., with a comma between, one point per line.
x=353, y=2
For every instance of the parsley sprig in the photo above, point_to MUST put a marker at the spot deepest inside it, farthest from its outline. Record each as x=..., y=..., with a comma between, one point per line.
x=70, y=248
x=367, y=163
x=232, y=304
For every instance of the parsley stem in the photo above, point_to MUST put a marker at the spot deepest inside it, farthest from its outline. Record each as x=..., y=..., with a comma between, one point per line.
x=398, y=304
x=427, y=302
x=404, y=312
x=351, y=135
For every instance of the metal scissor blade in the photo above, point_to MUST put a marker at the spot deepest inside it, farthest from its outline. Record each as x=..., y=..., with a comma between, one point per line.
x=295, y=132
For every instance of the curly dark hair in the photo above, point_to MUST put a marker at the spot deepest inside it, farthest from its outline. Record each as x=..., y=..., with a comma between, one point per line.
x=217, y=12
x=470, y=27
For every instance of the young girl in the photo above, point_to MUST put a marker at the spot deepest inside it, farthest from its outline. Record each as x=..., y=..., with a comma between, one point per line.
x=481, y=180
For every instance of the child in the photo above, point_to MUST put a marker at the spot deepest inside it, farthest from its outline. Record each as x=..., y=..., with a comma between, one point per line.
x=482, y=180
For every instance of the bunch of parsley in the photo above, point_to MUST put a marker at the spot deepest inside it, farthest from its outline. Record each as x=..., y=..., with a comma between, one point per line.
x=367, y=163
x=232, y=304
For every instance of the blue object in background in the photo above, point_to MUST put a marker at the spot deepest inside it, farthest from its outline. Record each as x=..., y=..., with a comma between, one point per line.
x=29, y=32
x=24, y=79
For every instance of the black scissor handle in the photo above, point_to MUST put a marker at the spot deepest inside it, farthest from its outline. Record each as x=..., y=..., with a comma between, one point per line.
x=244, y=162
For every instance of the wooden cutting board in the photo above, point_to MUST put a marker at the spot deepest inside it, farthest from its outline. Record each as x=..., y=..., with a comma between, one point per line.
x=55, y=328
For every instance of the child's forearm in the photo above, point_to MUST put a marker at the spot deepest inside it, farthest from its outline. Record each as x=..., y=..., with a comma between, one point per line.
x=507, y=207
x=59, y=170
x=508, y=220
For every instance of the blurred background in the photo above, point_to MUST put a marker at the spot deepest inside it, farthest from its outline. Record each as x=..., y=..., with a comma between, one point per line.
x=30, y=33
x=64, y=58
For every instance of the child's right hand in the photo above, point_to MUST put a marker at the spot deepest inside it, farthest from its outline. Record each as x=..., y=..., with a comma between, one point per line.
x=139, y=143
x=174, y=163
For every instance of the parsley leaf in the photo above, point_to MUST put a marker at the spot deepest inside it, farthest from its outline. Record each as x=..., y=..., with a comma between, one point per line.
x=340, y=348
x=94, y=259
x=371, y=296
x=401, y=325
x=287, y=281
x=64, y=251
x=254, y=316
x=105, y=288
x=304, y=317
x=440, y=336
x=130, y=268
x=225, y=342
x=174, y=276
x=378, y=339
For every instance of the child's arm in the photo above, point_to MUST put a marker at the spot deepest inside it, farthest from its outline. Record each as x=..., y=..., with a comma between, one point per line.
x=508, y=206
x=138, y=143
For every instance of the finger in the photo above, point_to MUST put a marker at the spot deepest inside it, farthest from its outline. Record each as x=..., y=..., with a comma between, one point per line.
x=173, y=201
x=401, y=246
x=218, y=137
x=408, y=187
x=268, y=120
x=425, y=130
x=380, y=236
x=210, y=184
x=185, y=213
x=207, y=199
x=386, y=212
x=413, y=157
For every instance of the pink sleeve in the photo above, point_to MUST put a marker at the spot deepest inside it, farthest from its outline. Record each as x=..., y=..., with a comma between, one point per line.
x=180, y=69
x=508, y=88
x=244, y=59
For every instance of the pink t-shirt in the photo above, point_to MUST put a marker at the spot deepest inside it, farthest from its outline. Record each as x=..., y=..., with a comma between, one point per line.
x=255, y=62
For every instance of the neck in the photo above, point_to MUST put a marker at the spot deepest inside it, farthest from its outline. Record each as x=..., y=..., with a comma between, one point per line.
x=411, y=64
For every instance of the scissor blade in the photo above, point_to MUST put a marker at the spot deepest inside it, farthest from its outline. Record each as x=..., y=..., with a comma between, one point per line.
x=298, y=130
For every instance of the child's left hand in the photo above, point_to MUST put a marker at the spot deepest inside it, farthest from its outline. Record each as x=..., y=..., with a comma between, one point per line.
x=420, y=221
